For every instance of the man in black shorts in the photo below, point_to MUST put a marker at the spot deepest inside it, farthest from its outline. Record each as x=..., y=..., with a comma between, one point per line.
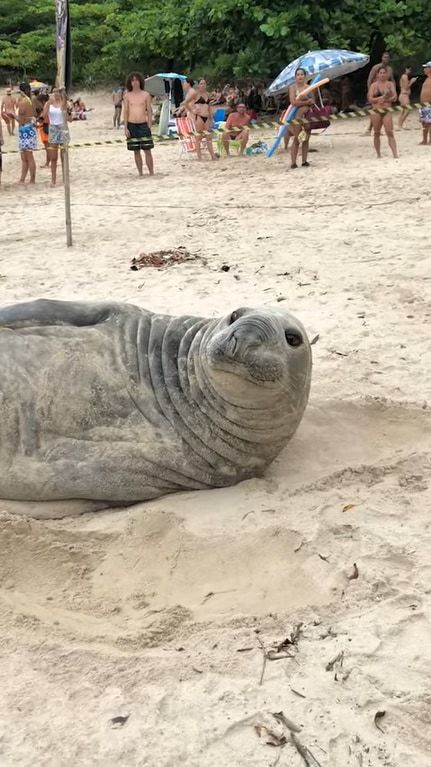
x=138, y=119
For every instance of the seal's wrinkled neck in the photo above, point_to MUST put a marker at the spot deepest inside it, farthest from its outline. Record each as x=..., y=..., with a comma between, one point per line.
x=246, y=409
x=233, y=426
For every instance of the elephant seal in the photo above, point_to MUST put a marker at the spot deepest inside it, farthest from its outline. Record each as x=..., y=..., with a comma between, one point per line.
x=105, y=405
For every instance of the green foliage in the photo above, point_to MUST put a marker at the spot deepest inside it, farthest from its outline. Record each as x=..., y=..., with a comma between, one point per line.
x=215, y=38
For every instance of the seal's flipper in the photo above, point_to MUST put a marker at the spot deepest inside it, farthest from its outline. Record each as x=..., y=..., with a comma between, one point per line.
x=47, y=312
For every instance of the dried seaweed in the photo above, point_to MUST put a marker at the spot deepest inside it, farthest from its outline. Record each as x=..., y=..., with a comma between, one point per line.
x=160, y=259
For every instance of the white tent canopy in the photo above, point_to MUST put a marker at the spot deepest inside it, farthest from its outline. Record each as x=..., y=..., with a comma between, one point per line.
x=162, y=85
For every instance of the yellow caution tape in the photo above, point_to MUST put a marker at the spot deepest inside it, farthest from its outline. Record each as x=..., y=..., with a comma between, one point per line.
x=258, y=125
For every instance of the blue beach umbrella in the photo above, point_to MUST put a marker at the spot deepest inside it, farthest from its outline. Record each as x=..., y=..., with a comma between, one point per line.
x=331, y=63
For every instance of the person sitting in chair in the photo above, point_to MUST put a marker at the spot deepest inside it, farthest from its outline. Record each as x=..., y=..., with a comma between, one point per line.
x=238, y=121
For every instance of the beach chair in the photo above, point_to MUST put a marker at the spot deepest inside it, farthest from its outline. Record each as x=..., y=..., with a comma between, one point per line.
x=187, y=142
x=185, y=127
x=321, y=123
x=233, y=142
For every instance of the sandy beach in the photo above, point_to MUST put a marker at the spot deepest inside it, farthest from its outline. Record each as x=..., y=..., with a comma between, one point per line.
x=138, y=638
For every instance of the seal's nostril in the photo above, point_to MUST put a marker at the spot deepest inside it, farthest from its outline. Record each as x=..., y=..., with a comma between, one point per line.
x=233, y=317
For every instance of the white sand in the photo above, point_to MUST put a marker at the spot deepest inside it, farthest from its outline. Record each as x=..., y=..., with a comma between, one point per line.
x=143, y=613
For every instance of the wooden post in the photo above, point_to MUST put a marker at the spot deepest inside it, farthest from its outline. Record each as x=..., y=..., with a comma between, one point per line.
x=66, y=175
x=63, y=80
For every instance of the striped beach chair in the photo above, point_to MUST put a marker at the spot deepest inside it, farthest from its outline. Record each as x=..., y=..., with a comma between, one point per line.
x=185, y=127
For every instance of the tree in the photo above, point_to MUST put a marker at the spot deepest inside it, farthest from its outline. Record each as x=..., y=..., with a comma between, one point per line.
x=213, y=38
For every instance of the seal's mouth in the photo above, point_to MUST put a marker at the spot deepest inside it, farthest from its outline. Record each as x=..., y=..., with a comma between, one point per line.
x=256, y=346
x=248, y=361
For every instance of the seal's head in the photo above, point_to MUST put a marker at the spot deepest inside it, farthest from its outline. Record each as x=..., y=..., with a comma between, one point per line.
x=260, y=354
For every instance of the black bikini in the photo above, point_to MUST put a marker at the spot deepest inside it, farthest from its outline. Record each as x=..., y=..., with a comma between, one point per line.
x=201, y=100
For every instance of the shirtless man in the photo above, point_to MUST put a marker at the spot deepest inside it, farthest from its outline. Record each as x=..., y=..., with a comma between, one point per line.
x=425, y=112
x=7, y=109
x=27, y=136
x=239, y=120
x=138, y=119
x=374, y=70
x=373, y=75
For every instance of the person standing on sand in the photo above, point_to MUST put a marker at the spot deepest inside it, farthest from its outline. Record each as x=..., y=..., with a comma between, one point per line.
x=42, y=124
x=198, y=105
x=55, y=113
x=8, y=109
x=1, y=144
x=27, y=136
x=382, y=95
x=117, y=98
x=298, y=129
x=138, y=119
x=406, y=82
x=374, y=71
x=425, y=112
x=372, y=77
x=189, y=92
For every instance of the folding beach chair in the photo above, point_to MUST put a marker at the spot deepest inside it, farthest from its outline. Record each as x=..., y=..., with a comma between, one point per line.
x=321, y=124
x=187, y=142
x=185, y=128
x=319, y=117
x=233, y=142
x=321, y=121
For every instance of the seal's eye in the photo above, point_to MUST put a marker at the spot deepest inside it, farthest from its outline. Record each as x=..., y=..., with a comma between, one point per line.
x=293, y=338
x=234, y=317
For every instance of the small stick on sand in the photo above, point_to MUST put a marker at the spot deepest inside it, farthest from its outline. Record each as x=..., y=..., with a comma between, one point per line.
x=379, y=715
x=309, y=758
x=280, y=717
x=296, y=692
x=338, y=659
x=355, y=573
x=265, y=659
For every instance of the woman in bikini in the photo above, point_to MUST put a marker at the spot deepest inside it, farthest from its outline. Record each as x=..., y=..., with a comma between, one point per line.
x=382, y=95
x=198, y=104
x=406, y=82
x=303, y=104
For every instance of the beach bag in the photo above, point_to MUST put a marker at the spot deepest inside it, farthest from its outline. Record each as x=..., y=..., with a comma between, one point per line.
x=259, y=147
x=319, y=117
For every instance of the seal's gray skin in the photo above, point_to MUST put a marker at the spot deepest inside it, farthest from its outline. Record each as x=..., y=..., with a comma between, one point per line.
x=106, y=405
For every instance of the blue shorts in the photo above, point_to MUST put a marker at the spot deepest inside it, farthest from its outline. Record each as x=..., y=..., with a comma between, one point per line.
x=425, y=115
x=27, y=138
